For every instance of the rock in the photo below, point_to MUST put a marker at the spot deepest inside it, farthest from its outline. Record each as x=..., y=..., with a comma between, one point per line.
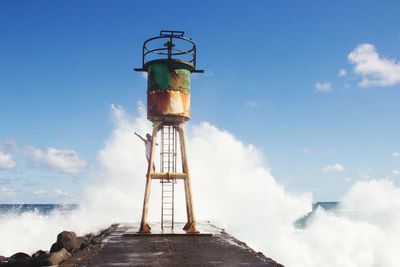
x=39, y=253
x=83, y=241
x=20, y=256
x=57, y=257
x=20, y=260
x=54, y=247
x=96, y=240
x=3, y=259
x=67, y=240
x=53, y=258
x=90, y=236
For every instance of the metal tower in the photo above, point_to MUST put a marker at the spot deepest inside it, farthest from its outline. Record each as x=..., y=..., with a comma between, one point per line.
x=169, y=59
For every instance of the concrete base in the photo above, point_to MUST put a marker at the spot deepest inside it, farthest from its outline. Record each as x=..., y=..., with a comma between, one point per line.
x=214, y=248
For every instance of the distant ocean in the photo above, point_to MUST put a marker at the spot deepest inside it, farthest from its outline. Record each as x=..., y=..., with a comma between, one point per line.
x=45, y=209
x=328, y=206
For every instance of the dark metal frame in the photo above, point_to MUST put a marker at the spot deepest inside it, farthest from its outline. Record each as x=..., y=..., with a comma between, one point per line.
x=168, y=52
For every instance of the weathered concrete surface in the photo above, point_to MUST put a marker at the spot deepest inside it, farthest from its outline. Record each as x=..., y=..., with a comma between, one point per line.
x=218, y=249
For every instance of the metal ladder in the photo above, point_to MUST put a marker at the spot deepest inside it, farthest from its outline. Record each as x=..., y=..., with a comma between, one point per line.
x=168, y=154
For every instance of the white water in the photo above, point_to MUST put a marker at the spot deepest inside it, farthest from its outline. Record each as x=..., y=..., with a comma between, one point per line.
x=233, y=188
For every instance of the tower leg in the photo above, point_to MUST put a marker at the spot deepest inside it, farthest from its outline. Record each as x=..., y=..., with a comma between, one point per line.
x=144, y=226
x=190, y=226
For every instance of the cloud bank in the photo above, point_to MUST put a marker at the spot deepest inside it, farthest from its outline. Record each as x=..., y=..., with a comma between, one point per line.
x=62, y=160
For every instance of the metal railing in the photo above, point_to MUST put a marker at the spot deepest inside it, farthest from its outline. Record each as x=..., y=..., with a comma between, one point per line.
x=169, y=49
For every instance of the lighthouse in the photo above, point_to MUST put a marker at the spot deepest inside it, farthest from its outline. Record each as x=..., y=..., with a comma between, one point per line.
x=169, y=59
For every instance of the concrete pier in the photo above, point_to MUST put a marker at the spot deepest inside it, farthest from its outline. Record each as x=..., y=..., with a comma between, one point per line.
x=214, y=247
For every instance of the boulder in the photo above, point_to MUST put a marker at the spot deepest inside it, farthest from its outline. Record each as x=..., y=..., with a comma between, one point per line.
x=39, y=253
x=20, y=256
x=54, y=247
x=83, y=241
x=20, y=260
x=55, y=258
x=3, y=259
x=67, y=240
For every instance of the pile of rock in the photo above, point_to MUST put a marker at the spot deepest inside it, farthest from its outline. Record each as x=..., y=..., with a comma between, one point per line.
x=67, y=244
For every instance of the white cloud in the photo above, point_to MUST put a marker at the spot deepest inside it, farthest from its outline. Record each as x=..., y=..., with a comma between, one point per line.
x=364, y=176
x=7, y=193
x=63, y=160
x=252, y=103
x=396, y=154
x=342, y=73
x=6, y=161
x=333, y=168
x=373, y=69
x=307, y=150
x=395, y=172
x=42, y=193
x=62, y=193
x=325, y=87
x=143, y=74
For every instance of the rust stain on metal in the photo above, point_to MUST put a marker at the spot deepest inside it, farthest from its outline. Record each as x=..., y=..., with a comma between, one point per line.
x=171, y=103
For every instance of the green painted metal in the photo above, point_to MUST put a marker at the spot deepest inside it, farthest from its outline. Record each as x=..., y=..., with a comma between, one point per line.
x=167, y=75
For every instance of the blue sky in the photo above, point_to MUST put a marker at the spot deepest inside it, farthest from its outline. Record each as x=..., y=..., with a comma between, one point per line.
x=315, y=85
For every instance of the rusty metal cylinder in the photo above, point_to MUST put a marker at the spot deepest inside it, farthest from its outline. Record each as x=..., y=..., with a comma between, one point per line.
x=168, y=90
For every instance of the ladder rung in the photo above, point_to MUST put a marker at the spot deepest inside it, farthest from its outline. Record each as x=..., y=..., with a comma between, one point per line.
x=168, y=160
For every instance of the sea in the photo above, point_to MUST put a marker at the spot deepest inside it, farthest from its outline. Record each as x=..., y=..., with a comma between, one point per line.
x=45, y=209
x=302, y=222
